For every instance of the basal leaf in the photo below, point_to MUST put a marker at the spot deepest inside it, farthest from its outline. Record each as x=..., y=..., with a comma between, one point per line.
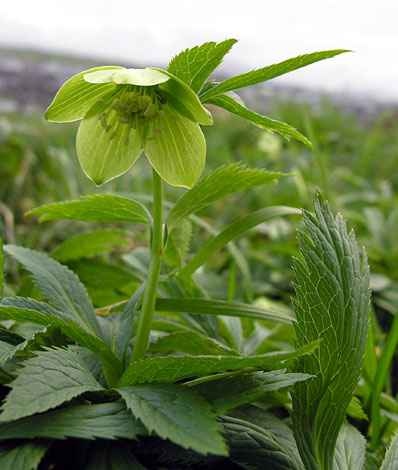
x=229, y=104
x=176, y=413
x=94, y=208
x=391, y=458
x=217, y=184
x=103, y=421
x=194, y=66
x=350, y=449
x=269, y=72
x=59, y=285
x=45, y=381
x=332, y=304
x=24, y=455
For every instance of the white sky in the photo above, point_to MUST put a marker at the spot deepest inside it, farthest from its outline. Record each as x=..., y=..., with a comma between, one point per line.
x=150, y=32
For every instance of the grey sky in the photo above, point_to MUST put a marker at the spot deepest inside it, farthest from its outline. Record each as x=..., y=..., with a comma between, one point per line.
x=151, y=32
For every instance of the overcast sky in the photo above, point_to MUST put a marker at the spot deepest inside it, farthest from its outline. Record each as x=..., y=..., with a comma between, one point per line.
x=152, y=31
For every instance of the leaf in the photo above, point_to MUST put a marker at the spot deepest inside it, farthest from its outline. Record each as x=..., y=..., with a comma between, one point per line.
x=229, y=104
x=176, y=413
x=22, y=456
x=174, y=368
x=76, y=97
x=269, y=72
x=355, y=409
x=112, y=456
x=215, y=185
x=59, y=285
x=350, y=449
x=178, y=243
x=86, y=245
x=194, y=66
x=1, y=266
x=45, y=381
x=391, y=458
x=236, y=390
x=94, y=208
x=233, y=231
x=103, y=421
x=220, y=307
x=256, y=448
x=332, y=303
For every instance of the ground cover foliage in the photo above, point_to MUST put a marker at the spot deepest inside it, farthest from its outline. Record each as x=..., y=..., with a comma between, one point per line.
x=236, y=374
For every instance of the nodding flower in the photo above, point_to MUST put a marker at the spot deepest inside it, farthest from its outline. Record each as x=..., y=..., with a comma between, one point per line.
x=126, y=111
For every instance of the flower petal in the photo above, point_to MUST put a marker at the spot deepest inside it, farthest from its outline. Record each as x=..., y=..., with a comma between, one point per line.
x=139, y=77
x=177, y=151
x=104, y=155
x=76, y=96
x=184, y=100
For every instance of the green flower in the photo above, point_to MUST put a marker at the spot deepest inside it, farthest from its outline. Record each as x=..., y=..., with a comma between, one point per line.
x=125, y=111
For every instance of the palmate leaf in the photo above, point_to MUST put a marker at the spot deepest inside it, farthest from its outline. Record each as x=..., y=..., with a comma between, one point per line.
x=95, y=208
x=45, y=381
x=217, y=184
x=350, y=449
x=176, y=413
x=59, y=285
x=391, y=458
x=175, y=368
x=226, y=102
x=269, y=72
x=332, y=303
x=103, y=421
x=194, y=66
x=23, y=456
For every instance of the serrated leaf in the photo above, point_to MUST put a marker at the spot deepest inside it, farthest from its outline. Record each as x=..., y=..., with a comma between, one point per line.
x=256, y=448
x=269, y=72
x=45, y=381
x=350, y=449
x=230, y=392
x=6, y=351
x=332, y=303
x=174, y=368
x=355, y=409
x=391, y=458
x=86, y=245
x=230, y=104
x=94, y=208
x=217, y=184
x=59, y=285
x=178, y=243
x=103, y=421
x=23, y=456
x=176, y=413
x=194, y=66
x=233, y=231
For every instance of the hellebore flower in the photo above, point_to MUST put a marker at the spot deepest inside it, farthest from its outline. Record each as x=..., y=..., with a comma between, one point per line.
x=125, y=111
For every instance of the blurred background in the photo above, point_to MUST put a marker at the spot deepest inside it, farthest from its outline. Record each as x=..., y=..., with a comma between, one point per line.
x=348, y=107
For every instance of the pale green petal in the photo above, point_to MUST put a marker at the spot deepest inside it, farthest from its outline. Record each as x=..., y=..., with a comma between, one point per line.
x=76, y=97
x=101, y=157
x=178, y=150
x=139, y=77
x=185, y=100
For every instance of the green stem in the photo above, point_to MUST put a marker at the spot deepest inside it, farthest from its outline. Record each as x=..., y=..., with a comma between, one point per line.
x=149, y=297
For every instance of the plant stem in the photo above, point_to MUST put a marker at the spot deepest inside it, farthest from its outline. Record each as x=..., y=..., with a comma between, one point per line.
x=149, y=297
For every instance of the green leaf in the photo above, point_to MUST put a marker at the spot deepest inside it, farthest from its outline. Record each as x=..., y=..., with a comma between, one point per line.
x=350, y=449
x=254, y=447
x=269, y=72
x=22, y=456
x=229, y=104
x=59, y=285
x=332, y=303
x=391, y=458
x=230, y=392
x=175, y=368
x=191, y=342
x=355, y=409
x=45, y=381
x=217, y=184
x=86, y=245
x=112, y=456
x=194, y=66
x=1, y=266
x=178, y=243
x=178, y=151
x=76, y=97
x=103, y=421
x=138, y=77
x=94, y=208
x=6, y=352
x=220, y=307
x=233, y=231
x=176, y=413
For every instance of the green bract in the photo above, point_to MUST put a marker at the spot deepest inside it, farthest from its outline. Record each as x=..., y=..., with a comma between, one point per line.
x=125, y=111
